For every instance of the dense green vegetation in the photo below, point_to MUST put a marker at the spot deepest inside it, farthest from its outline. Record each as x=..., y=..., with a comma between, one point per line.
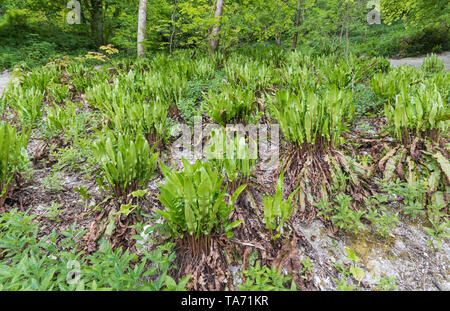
x=315, y=107
x=94, y=194
x=34, y=32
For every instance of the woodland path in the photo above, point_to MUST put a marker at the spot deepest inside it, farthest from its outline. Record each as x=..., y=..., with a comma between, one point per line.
x=5, y=76
x=418, y=61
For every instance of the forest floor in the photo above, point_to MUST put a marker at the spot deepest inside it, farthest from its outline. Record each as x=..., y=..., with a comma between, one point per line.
x=404, y=255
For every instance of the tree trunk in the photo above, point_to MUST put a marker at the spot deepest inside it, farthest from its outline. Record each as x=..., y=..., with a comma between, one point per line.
x=347, y=48
x=347, y=17
x=297, y=23
x=214, y=41
x=97, y=21
x=172, y=35
x=342, y=33
x=142, y=27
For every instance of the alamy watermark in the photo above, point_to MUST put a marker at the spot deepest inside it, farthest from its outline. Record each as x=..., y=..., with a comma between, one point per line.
x=74, y=15
x=74, y=275
x=234, y=141
x=374, y=16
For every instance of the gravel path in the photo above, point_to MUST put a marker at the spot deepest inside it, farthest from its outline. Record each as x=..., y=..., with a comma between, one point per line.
x=5, y=76
x=418, y=61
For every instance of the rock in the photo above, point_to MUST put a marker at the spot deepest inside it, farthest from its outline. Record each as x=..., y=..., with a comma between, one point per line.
x=404, y=255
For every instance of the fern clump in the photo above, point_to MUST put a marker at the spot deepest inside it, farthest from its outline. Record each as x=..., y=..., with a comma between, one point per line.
x=313, y=120
x=313, y=125
x=418, y=119
x=196, y=204
x=231, y=154
x=13, y=157
x=233, y=103
x=433, y=64
x=127, y=162
x=422, y=112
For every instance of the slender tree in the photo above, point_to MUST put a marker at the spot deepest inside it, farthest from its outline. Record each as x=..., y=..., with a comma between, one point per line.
x=297, y=23
x=214, y=41
x=347, y=25
x=172, y=34
x=142, y=27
